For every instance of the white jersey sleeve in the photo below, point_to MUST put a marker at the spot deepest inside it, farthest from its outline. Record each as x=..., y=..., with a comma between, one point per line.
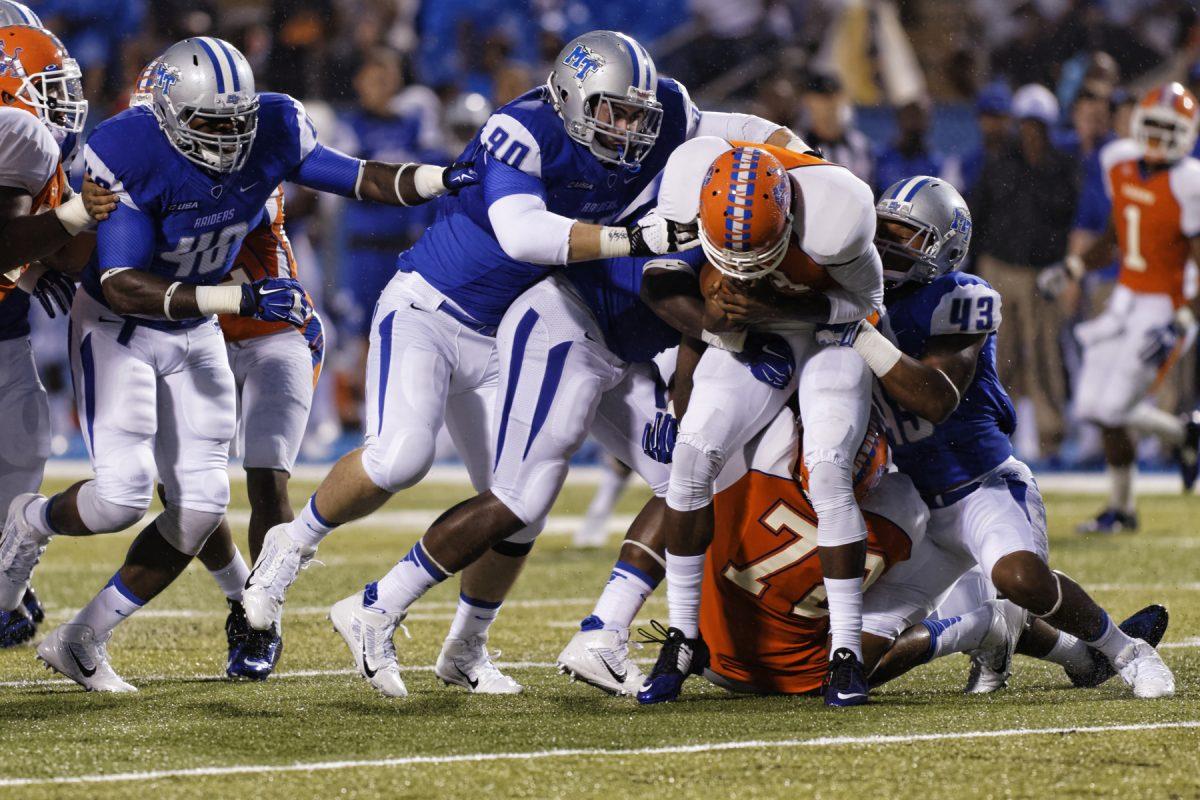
x=739, y=127
x=1185, y=185
x=28, y=153
x=837, y=230
x=679, y=193
x=1114, y=153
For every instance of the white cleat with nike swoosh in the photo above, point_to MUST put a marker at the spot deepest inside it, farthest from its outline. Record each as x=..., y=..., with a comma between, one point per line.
x=369, y=634
x=467, y=663
x=73, y=650
x=599, y=656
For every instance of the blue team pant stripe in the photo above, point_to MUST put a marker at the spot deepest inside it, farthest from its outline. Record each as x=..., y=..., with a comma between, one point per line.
x=385, y=363
x=1019, y=492
x=88, y=362
x=520, y=339
x=216, y=65
x=911, y=192
x=550, y=381
x=233, y=71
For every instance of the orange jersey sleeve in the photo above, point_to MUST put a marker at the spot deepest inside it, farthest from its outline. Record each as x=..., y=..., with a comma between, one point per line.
x=1147, y=217
x=762, y=609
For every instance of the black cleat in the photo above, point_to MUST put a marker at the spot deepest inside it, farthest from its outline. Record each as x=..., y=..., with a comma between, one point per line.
x=1149, y=624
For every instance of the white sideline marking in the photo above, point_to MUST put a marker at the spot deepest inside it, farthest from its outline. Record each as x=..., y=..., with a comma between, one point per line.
x=825, y=741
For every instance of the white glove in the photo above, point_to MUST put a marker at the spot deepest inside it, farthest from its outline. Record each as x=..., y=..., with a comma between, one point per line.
x=653, y=235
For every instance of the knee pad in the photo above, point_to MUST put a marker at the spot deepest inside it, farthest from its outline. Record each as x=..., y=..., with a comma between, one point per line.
x=400, y=460
x=186, y=529
x=831, y=490
x=104, y=516
x=694, y=470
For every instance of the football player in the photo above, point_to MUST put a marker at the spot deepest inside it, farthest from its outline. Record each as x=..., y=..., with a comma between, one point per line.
x=949, y=422
x=193, y=167
x=791, y=236
x=42, y=104
x=1153, y=183
x=562, y=169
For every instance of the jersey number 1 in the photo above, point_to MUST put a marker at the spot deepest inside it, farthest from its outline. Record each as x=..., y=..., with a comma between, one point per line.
x=1134, y=259
x=755, y=577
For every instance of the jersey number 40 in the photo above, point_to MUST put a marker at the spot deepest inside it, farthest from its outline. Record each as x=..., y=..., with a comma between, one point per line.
x=196, y=256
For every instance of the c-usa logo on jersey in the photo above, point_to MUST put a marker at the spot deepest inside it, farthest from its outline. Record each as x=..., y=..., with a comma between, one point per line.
x=583, y=61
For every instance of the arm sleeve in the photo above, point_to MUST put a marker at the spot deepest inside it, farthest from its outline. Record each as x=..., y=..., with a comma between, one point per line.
x=523, y=227
x=679, y=191
x=741, y=127
x=328, y=170
x=860, y=288
x=125, y=239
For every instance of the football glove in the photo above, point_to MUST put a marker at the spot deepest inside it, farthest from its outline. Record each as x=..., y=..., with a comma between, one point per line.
x=459, y=175
x=658, y=437
x=276, y=300
x=54, y=291
x=314, y=334
x=769, y=358
x=839, y=335
x=1159, y=344
x=1053, y=280
x=653, y=235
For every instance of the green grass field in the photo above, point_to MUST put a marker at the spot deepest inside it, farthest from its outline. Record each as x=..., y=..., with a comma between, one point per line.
x=316, y=730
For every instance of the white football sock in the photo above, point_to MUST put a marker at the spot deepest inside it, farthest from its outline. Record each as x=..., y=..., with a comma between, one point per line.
x=232, y=577
x=684, y=576
x=958, y=634
x=623, y=596
x=1148, y=418
x=473, y=617
x=1112, y=641
x=1120, y=491
x=1070, y=653
x=412, y=577
x=114, y=604
x=310, y=528
x=37, y=516
x=845, y=615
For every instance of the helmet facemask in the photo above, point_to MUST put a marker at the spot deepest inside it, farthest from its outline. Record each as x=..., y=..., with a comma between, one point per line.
x=221, y=152
x=623, y=146
x=56, y=96
x=1164, y=134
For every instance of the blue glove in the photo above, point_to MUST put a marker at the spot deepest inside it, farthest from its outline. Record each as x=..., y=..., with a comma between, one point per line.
x=55, y=290
x=460, y=175
x=658, y=438
x=769, y=358
x=276, y=300
x=314, y=334
x=1160, y=342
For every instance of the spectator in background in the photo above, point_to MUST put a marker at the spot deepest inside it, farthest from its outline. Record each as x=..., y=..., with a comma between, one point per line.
x=1023, y=206
x=374, y=234
x=304, y=30
x=826, y=126
x=910, y=154
x=993, y=108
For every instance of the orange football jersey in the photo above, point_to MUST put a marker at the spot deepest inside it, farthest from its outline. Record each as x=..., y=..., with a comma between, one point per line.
x=762, y=607
x=1151, y=212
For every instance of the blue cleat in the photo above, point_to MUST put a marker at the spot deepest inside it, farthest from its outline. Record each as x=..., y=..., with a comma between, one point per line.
x=253, y=654
x=1110, y=520
x=679, y=657
x=20, y=625
x=845, y=682
x=1149, y=624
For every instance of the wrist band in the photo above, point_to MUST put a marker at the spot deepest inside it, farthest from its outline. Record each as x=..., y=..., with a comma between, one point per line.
x=167, y=295
x=74, y=216
x=957, y=393
x=427, y=180
x=219, y=300
x=614, y=242
x=362, y=167
x=875, y=349
x=1075, y=266
x=27, y=283
x=396, y=183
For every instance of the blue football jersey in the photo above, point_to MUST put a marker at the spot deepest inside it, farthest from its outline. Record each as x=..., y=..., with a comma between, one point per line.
x=975, y=437
x=522, y=148
x=190, y=222
x=612, y=290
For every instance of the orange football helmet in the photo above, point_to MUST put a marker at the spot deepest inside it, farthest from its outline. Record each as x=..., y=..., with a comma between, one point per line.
x=870, y=462
x=746, y=213
x=1166, y=121
x=38, y=75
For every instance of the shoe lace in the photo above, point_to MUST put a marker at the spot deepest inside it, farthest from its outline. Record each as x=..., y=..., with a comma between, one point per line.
x=12, y=549
x=668, y=657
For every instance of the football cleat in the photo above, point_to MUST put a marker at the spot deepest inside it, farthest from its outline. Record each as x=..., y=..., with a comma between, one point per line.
x=252, y=654
x=1143, y=670
x=599, y=656
x=845, y=681
x=992, y=663
x=74, y=651
x=369, y=634
x=467, y=663
x=20, y=625
x=1189, y=451
x=1110, y=520
x=679, y=657
x=274, y=572
x=1149, y=624
x=20, y=549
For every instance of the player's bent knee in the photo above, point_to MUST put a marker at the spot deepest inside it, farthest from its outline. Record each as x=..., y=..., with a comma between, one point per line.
x=536, y=489
x=831, y=490
x=694, y=470
x=101, y=515
x=1025, y=579
x=403, y=462
x=186, y=529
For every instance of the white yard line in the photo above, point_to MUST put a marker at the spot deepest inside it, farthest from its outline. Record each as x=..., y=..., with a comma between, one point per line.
x=587, y=752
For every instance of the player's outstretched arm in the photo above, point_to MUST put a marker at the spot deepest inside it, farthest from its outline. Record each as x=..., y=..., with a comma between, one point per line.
x=328, y=170
x=26, y=237
x=134, y=291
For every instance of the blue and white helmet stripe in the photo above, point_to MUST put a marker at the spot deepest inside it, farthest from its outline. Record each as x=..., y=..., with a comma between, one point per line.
x=14, y=13
x=641, y=62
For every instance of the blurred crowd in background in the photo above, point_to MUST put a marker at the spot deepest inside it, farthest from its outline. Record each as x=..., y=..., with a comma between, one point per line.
x=1007, y=99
